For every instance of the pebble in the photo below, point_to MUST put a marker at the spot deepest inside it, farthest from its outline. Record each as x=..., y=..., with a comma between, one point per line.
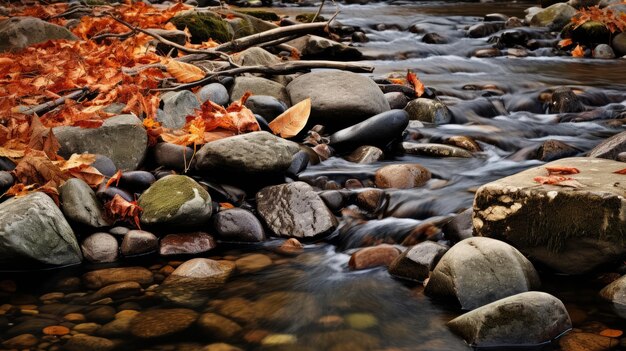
x=361, y=321
x=118, y=290
x=86, y=328
x=56, y=330
x=187, y=243
x=158, y=323
x=88, y=343
x=369, y=257
x=23, y=341
x=253, y=263
x=75, y=317
x=366, y=154
x=402, y=176
x=101, y=314
x=221, y=347
x=217, y=326
x=137, y=242
x=279, y=339
x=100, y=248
x=173, y=156
x=435, y=150
x=238, y=225
x=290, y=247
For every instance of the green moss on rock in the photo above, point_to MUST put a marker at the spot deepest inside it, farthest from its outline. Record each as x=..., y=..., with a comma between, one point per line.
x=204, y=25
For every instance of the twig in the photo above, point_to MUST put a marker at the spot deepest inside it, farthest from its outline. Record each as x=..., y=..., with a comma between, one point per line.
x=319, y=11
x=113, y=35
x=281, y=68
x=279, y=41
x=54, y=103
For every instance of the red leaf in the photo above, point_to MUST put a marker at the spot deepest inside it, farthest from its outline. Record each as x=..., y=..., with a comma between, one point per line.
x=561, y=170
x=418, y=86
x=123, y=210
x=621, y=171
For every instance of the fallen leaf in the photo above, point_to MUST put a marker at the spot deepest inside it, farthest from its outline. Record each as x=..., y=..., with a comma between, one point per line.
x=612, y=333
x=10, y=153
x=292, y=121
x=562, y=170
x=20, y=189
x=565, y=42
x=418, y=86
x=123, y=210
x=114, y=179
x=558, y=180
x=182, y=71
x=37, y=168
x=578, y=51
x=621, y=171
x=42, y=138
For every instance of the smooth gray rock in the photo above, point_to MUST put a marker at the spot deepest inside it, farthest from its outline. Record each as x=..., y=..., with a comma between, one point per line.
x=526, y=319
x=619, y=44
x=294, y=210
x=484, y=29
x=137, y=242
x=238, y=225
x=251, y=153
x=122, y=138
x=79, y=204
x=338, y=99
x=100, y=248
x=33, y=230
x=175, y=200
x=17, y=33
x=255, y=56
x=366, y=154
x=427, y=110
x=416, y=262
x=603, y=51
x=435, y=150
x=548, y=223
x=477, y=271
x=379, y=130
x=396, y=100
x=616, y=292
x=104, y=165
x=6, y=181
x=173, y=156
x=610, y=147
x=215, y=92
x=315, y=47
x=267, y=107
x=258, y=86
x=554, y=17
x=176, y=107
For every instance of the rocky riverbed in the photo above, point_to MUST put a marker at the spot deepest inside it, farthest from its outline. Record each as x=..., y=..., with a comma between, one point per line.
x=488, y=211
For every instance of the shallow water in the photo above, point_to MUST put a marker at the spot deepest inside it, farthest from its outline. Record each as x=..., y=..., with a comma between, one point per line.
x=404, y=319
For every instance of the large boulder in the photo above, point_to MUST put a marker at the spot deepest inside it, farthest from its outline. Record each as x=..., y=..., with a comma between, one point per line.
x=251, y=153
x=571, y=229
x=204, y=25
x=554, y=17
x=525, y=319
x=17, y=33
x=175, y=200
x=79, y=204
x=338, y=99
x=295, y=210
x=33, y=230
x=610, y=147
x=478, y=271
x=122, y=138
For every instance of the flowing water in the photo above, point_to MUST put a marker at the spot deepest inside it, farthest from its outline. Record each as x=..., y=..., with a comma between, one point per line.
x=378, y=311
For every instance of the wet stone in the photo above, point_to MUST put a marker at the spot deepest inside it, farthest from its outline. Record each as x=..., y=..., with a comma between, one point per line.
x=464, y=142
x=280, y=307
x=564, y=100
x=427, y=110
x=6, y=181
x=402, y=176
x=396, y=100
x=214, y=92
x=221, y=347
x=187, y=243
x=375, y=256
x=253, y=263
x=88, y=343
x=611, y=147
x=23, y=341
x=162, y=322
x=173, y=156
x=176, y=107
x=491, y=52
x=86, y=328
x=379, y=130
x=360, y=321
x=603, y=51
x=136, y=181
x=103, y=277
x=118, y=291
x=435, y=150
x=434, y=38
x=416, y=262
x=217, y=326
x=79, y=204
x=101, y=314
x=137, y=242
x=555, y=17
x=294, y=210
x=267, y=106
x=238, y=225
x=291, y=246
x=100, y=248
x=203, y=269
x=576, y=341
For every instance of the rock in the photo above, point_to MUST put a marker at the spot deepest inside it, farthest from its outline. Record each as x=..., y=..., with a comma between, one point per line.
x=610, y=147
x=103, y=277
x=137, y=242
x=176, y=107
x=121, y=231
x=294, y=210
x=554, y=17
x=366, y=154
x=244, y=25
x=118, y=291
x=416, y=262
x=79, y=204
x=427, y=110
x=562, y=234
x=402, y=176
x=339, y=99
x=23, y=341
x=290, y=247
x=460, y=227
x=186, y=244
x=434, y=38
x=616, y=293
x=477, y=271
x=280, y=307
x=396, y=100
x=464, y=142
x=175, y=200
x=619, y=44
x=136, y=181
x=564, y=100
x=100, y=248
x=256, y=153
x=603, y=51
x=221, y=347
x=204, y=25
x=360, y=321
x=86, y=328
x=6, y=181
x=159, y=323
x=16, y=33
x=525, y=319
x=491, y=52
x=379, y=130
x=552, y=150
x=435, y=150
x=313, y=47
x=267, y=106
x=33, y=230
x=238, y=225
x=204, y=269
x=105, y=165
x=88, y=343
x=173, y=156
x=591, y=33
x=577, y=341
x=258, y=86
x=122, y=138
x=253, y=263
x=218, y=327
x=215, y=92
x=369, y=257
x=255, y=56
x=483, y=29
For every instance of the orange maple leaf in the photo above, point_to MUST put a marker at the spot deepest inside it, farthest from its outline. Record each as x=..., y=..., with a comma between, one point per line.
x=418, y=86
x=578, y=51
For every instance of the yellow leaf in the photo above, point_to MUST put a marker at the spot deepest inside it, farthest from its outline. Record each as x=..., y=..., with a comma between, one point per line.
x=292, y=121
x=76, y=161
x=183, y=72
x=4, y=152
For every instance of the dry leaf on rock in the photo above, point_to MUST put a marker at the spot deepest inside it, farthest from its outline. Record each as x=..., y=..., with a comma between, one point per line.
x=123, y=210
x=182, y=71
x=292, y=121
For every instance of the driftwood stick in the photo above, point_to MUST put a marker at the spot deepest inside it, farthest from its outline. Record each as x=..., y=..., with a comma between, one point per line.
x=278, y=41
x=319, y=11
x=46, y=106
x=281, y=68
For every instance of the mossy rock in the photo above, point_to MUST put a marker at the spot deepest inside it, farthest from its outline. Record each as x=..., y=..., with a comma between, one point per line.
x=175, y=200
x=204, y=25
x=591, y=32
x=244, y=24
x=308, y=18
x=264, y=15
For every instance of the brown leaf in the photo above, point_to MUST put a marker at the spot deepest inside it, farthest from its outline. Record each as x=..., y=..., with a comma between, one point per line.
x=10, y=153
x=292, y=121
x=36, y=168
x=114, y=179
x=42, y=138
x=183, y=72
x=120, y=209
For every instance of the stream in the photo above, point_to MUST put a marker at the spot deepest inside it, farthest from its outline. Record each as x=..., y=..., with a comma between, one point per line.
x=313, y=299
